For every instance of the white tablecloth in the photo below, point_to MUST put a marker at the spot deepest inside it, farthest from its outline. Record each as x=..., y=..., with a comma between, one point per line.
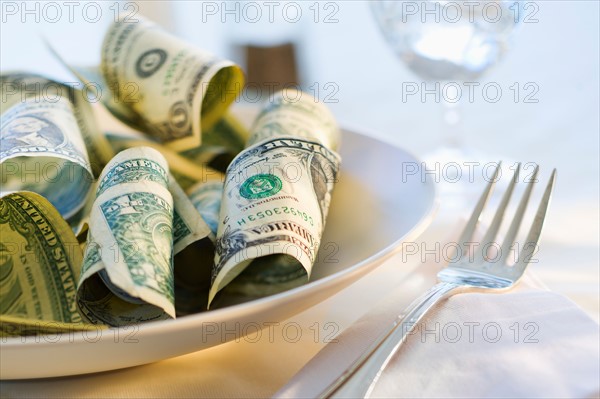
x=260, y=367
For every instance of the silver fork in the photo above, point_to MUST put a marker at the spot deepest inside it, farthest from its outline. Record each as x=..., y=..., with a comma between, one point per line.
x=474, y=274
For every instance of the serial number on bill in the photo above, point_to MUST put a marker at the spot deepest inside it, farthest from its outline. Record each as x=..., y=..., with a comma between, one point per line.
x=284, y=210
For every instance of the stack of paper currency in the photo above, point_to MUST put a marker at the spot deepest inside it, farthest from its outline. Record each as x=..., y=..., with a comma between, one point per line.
x=103, y=229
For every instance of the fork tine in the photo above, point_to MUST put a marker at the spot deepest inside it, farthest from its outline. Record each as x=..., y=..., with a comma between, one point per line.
x=536, y=229
x=469, y=229
x=509, y=239
x=490, y=235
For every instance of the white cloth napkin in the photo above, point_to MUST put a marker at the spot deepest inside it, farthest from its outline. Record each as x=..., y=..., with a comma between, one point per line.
x=529, y=342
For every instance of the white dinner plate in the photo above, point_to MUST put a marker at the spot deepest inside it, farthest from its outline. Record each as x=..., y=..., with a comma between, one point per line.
x=377, y=204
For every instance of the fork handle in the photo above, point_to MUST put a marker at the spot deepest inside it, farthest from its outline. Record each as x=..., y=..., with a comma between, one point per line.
x=360, y=378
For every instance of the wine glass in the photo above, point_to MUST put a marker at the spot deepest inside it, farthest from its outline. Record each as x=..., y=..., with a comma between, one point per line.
x=451, y=42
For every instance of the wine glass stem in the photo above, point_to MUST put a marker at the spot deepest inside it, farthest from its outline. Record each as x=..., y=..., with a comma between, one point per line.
x=452, y=120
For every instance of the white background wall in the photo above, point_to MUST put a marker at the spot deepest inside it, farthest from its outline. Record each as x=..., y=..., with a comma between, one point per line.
x=559, y=53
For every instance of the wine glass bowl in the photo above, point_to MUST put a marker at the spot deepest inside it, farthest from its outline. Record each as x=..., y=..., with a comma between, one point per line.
x=454, y=42
x=448, y=40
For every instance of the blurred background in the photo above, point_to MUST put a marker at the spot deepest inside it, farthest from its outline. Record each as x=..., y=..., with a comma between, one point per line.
x=546, y=113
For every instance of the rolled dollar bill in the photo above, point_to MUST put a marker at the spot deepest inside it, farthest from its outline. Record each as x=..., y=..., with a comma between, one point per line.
x=276, y=198
x=42, y=150
x=18, y=87
x=40, y=262
x=50, y=142
x=139, y=220
x=173, y=90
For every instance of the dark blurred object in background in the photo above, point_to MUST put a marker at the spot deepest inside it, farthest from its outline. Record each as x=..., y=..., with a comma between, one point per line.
x=271, y=68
